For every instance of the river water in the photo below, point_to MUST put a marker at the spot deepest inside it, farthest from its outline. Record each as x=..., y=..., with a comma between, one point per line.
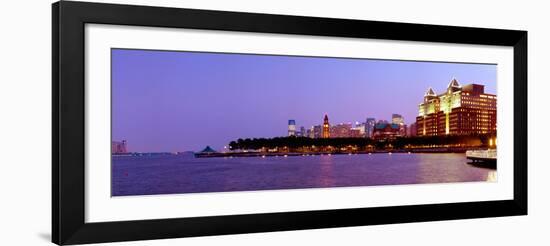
x=173, y=174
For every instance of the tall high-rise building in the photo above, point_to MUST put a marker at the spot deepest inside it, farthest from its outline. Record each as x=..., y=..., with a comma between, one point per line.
x=326, y=127
x=459, y=110
x=302, y=131
x=369, y=127
x=397, y=119
x=291, y=128
x=317, y=131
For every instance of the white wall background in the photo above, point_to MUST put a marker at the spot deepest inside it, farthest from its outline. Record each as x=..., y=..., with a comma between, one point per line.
x=25, y=101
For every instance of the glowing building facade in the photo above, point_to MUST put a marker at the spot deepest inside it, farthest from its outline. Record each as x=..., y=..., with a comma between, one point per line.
x=385, y=131
x=460, y=110
x=359, y=130
x=341, y=130
x=291, y=128
x=397, y=119
x=326, y=127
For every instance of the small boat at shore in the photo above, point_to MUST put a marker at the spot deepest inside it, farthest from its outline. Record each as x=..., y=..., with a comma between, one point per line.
x=481, y=157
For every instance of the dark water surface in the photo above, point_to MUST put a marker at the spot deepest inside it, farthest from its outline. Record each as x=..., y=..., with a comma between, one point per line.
x=169, y=174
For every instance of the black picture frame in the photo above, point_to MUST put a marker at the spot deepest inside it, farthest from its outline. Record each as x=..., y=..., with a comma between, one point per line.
x=68, y=106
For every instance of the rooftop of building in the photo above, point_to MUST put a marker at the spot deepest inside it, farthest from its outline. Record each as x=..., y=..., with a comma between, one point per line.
x=454, y=86
x=208, y=150
x=384, y=125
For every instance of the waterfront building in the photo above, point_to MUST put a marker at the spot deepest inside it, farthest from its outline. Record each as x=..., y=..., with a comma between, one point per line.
x=291, y=128
x=119, y=147
x=369, y=127
x=342, y=130
x=326, y=127
x=397, y=119
x=460, y=110
x=386, y=131
x=302, y=132
x=400, y=121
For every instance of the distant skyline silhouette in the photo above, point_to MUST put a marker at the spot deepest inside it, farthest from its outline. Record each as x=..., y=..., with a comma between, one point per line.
x=181, y=101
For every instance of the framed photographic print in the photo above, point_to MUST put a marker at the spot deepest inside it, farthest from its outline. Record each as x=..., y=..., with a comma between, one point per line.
x=175, y=122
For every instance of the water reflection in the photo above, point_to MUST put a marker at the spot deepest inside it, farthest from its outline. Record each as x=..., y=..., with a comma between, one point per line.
x=442, y=168
x=186, y=174
x=326, y=166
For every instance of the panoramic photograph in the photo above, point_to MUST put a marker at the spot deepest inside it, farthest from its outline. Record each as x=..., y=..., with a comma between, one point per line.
x=196, y=122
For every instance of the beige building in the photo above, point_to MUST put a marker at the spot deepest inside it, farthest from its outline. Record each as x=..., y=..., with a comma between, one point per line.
x=460, y=110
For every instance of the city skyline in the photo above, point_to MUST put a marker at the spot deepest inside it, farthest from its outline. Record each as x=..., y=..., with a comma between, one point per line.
x=179, y=101
x=292, y=126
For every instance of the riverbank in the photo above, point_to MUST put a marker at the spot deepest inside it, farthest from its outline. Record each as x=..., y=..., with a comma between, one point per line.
x=277, y=154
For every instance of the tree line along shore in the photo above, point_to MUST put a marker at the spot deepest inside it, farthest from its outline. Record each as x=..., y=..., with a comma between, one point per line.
x=453, y=143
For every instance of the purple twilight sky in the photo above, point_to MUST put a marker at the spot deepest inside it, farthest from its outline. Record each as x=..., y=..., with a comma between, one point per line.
x=178, y=101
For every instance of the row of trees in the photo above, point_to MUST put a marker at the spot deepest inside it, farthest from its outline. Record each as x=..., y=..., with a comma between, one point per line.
x=304, y=143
